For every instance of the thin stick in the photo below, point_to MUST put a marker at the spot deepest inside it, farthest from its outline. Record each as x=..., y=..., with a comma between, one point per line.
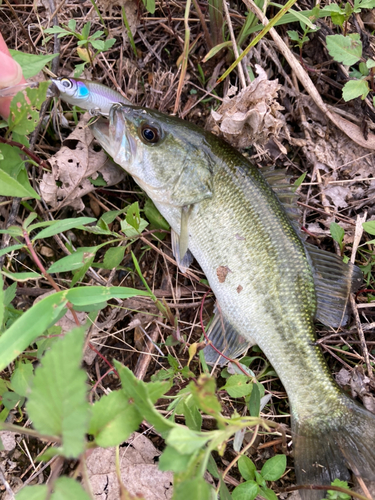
x=234, y=44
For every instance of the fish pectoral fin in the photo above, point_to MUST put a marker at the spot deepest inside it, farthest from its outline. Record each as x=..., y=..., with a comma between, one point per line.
x=226, y=339
x=184, y=230
x=187, y=258
x=334, y=281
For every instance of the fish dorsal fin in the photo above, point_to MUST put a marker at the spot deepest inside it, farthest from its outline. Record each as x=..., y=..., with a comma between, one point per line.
x=187, y=259
x=280, y=184
x=226, y=339
x=334, y=281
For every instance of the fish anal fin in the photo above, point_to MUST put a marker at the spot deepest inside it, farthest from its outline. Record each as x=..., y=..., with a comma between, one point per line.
x=334, y=281
x=187, y=259
x=226, y=339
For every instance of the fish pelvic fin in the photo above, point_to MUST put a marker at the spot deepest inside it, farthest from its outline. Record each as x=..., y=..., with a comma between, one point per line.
x=328, y=449
x=334, y=281
x=226, y=339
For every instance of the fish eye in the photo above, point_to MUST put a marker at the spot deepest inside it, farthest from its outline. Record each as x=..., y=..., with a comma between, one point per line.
x=149, y=133
x=66, y=83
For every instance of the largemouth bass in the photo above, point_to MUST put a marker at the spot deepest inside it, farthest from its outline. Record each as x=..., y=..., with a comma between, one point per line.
x=86, y=94
x=269, y=285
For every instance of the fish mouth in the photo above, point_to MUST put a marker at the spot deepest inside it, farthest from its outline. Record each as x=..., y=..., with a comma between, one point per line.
x=114, y=136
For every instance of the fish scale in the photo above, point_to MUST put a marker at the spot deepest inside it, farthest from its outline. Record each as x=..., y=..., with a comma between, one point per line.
x=222, y=209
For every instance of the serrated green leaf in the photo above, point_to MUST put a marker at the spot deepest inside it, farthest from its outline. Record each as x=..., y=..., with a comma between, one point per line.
x=97, y=44
x=47, y=311
x=190, y=489
x=113, y=419
x=22, y=377
x=33, y=493
x=274, y=468
x=186, y=441
x=204, y=394
x=245, y=491
x=193, y=418
x=173, y=460
x=345, y=49
x=238, y=386
x=109, y=43
x=57, y=402
x=65, y=488
x=138, y=392
x=355, y=88
x=63, y=225
x=31, y=64
x=247, y=468
x=113, y=257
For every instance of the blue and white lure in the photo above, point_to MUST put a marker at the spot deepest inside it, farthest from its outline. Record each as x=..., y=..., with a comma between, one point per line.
x=92, y=96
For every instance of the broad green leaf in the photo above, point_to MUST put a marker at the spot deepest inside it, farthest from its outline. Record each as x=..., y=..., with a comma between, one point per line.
x=192, y=489
x=63, y=225
x=153, y=215
x=19, y=186
x=366, y=4
x=33, y=493
x=66, y=488
x=97, y=44
x=9, y=293
x=113, y=257
x=186, y=441
x=86, y=30
x=109, y=43
x=173, y=460
x=31, y=64
x=254, y=402
x=22, y=378
x=22, y=277
x=245, y=491
x=113, y=419
x=24, y=114
x=355, y=88
x=370, y=63
x=12, y=162
x=149, y=5
x=238, y=386
x=345, y=49
x=86, y=295
x=110, y=216
x=72, y=24
x=2, y=301
x=267, y=493
x=337, y=232
x=73, y=261
x=57, y=403
x=11, y=399
x=274, y=468
x=294, y=36
x=13, y=231
x=369, y=227
x=247, y=468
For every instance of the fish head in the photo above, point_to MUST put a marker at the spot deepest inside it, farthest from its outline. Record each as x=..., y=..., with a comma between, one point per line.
x=70, y=89
x=166, y=156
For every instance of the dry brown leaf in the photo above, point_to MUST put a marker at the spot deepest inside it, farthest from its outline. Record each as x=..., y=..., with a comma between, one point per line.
x=73, y=165
x=251, y=116
x=139, y=472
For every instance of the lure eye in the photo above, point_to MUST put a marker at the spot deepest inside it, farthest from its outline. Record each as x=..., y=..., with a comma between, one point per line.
x=150, y=134
x=66, y=83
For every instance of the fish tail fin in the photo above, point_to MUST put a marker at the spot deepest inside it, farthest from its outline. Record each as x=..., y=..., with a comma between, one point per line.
x=328, y=449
